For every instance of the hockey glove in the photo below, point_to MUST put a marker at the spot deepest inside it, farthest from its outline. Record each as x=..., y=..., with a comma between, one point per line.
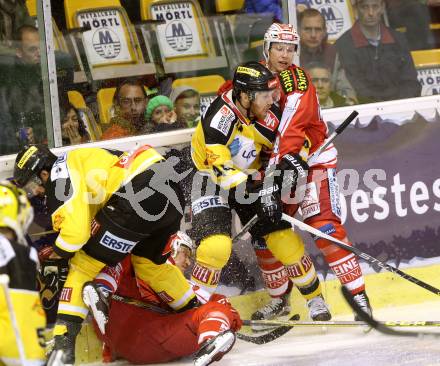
x=51, y=278
x=293, y=168
x=269, y=207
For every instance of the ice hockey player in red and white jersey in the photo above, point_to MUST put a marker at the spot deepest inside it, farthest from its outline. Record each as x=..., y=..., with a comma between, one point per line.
x=300, y=133
x=142, y=328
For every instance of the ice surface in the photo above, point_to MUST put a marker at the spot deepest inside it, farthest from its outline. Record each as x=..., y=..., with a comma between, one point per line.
x=304, y=346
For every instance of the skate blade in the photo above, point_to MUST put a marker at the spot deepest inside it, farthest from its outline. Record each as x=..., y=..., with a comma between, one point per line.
x=223, y=345
x=56, y=359
x=91, y=298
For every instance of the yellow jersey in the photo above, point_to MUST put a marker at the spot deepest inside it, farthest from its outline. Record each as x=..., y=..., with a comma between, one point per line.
x=228, y=146
x=82, y=181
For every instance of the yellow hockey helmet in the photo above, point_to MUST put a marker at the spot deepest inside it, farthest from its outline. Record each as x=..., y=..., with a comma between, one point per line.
x=16, y=211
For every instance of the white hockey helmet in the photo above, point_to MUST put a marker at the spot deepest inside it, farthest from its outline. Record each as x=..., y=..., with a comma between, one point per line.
x=180, y=239
x=280, y=33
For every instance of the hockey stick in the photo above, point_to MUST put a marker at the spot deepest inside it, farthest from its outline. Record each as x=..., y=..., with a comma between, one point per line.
x=368, y=258
x=268, y=336
x=310, y=160
x=341, y=323
x=380, y=326
x=140, y=304
x=4, y=282
x=329, y=139
x=245, y=228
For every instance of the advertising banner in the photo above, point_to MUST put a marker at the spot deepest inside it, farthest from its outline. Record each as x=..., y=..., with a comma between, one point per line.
x=106, y=42
x=389, y=179
x=179, y=36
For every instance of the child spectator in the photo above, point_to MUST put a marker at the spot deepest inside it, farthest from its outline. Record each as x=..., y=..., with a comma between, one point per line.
x=160, y=114
x=187, y=105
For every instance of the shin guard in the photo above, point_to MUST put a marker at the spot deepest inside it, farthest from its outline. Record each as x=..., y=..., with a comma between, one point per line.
x=83, y=268
x=288, y=247
x=343, y=263
x=274, y=273
x=212, y=255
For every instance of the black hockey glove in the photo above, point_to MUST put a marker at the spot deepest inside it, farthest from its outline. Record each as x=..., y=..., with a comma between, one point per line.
x=293, y=168
x=269, y=206
x=51, y=278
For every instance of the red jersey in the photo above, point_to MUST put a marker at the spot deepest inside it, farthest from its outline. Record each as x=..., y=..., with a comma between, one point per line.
x=302, y=129
x=121, y=279
x=144, y=336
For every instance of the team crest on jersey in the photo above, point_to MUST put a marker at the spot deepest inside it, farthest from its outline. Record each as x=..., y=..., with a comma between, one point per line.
x=57, y=221
x=223, y=119
x=211, y=157
x=302, y=84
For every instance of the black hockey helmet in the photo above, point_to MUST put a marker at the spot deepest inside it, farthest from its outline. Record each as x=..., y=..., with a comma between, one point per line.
x=31, y=161
x=252, y=77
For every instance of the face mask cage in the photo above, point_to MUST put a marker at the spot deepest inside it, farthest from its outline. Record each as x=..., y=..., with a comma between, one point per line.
x=32, y=186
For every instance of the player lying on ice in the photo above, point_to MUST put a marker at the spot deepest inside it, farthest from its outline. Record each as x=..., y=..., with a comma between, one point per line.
x=142, y=335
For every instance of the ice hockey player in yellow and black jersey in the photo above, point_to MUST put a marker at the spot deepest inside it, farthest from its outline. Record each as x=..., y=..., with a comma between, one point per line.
x=228, y=148
x=22, y=318
x=106, y=204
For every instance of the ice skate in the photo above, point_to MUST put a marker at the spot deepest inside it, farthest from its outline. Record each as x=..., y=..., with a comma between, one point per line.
x=318, y=309
x=63, y=353
x=214, y=349
x=364, y=303
x=97, y=300
x=277, y=307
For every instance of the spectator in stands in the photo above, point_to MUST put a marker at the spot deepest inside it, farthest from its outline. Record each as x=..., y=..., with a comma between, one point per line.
x=321, y=77
x=21, y=90
x=414, y=16
x=376, y=58
x=315, y=48
x=129, y=102
x=28, y=47
x=265, y=6
x=25, y=102
x=186, y=102
x=161, y=115
x=73, y=129
x=13, y=15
